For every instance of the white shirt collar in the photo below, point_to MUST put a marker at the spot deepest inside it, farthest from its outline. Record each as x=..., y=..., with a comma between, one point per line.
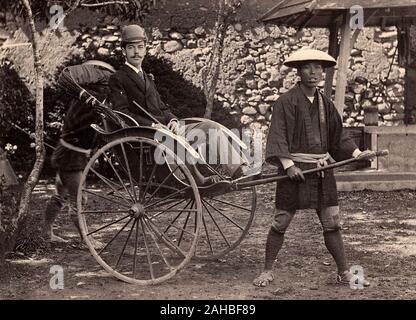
x=311, y=99
x=134, y=68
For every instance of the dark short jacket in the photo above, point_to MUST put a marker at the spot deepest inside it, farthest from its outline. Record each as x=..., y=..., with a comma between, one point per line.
x=127, y=86
x=79, y=116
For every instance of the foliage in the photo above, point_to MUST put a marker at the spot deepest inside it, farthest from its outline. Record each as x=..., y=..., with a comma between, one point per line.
x=185, y=99
x=131, y=9
x=8, y=206
x=17, y=117
x=16, y=107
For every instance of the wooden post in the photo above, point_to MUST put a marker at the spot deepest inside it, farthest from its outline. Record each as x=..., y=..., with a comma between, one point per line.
x=333, y=50
x=345, y=52
x=409, y=93
x=407, y=60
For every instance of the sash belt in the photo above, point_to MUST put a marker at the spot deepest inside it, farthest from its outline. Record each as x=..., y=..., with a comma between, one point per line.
x=75, y=148
x=321, y=160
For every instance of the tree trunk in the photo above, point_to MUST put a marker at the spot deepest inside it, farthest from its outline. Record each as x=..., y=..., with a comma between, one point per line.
x=211, y=72
x=8, y=208
x=39, y=148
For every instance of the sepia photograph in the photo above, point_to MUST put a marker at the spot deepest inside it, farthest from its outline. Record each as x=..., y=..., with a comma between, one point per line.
x=207, y=155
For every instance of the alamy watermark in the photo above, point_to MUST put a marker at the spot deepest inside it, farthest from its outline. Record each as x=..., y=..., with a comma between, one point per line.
x=57, y=280
x=356, y=17
x=357, y=281
x=57, y=18
x=214, y=145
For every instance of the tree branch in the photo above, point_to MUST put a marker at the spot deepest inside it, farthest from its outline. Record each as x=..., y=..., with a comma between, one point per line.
x=70, y=9
x=103, y=3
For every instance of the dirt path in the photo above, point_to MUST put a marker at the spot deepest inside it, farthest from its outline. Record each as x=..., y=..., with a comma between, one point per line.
x=379, y=233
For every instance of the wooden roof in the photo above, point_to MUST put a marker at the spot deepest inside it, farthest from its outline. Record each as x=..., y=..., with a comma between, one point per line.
x=322, y=13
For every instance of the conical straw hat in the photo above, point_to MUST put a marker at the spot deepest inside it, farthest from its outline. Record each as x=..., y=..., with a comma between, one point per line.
x=299, y=57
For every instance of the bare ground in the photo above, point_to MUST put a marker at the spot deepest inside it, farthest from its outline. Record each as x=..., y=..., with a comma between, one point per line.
x=379, y=234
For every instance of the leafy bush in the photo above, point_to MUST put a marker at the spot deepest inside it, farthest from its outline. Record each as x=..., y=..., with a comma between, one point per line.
x=185, y=99
x=17, y=107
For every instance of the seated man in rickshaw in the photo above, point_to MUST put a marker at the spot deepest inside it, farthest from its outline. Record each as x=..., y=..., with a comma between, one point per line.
x=133, y=92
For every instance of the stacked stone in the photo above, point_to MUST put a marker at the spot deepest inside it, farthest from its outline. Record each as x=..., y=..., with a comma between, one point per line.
x=395, y=84
x=253, y=76
x=99, y=41
x=375, y=90
x=263, y=78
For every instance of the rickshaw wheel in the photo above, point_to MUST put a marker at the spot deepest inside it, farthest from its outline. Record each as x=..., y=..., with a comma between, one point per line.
x=138, y=220
x=226, y=220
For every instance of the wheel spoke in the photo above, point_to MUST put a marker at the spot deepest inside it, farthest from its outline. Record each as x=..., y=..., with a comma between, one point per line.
x=170, y=188
x=166, y=239
x=113, y=238
x=162, y=183
x=179, y=214
x=161, y=212
x=184, y=229
x=149, y=259
x=165, y=198
x=129, y=171
x=118, y=176
x=107, y=198
x=229, y=219
x=157, y=245
x=108, y=183
x=149, y=182
x=207, y=234
x=107, y=225
x=111, y=193
x=125, y=244
x=231, y=204
x=216, y=224
x=135, y=248
x=174, y=210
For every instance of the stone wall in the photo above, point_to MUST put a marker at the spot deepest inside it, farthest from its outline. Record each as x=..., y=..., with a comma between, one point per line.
x=252, y=76
x=375, y=83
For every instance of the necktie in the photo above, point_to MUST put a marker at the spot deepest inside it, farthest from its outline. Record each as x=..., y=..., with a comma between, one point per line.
x=140, y=74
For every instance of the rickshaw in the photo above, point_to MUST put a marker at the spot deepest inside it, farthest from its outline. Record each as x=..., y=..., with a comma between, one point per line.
x=138, y=198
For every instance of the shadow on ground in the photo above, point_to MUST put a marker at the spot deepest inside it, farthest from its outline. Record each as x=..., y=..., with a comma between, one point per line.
x=379, y=233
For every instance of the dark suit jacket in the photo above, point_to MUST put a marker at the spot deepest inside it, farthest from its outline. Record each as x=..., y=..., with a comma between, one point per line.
x=127, y=86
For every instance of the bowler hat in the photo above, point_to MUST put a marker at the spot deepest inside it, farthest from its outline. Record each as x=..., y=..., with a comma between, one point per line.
x=302, y=56
x=133, y=33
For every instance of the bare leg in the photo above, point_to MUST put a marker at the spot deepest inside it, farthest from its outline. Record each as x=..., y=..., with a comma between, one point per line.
x=71, y=181
x=335, y=246
x=53, y=207
x=96, y=243
x=329, y=218
x=273, y=245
